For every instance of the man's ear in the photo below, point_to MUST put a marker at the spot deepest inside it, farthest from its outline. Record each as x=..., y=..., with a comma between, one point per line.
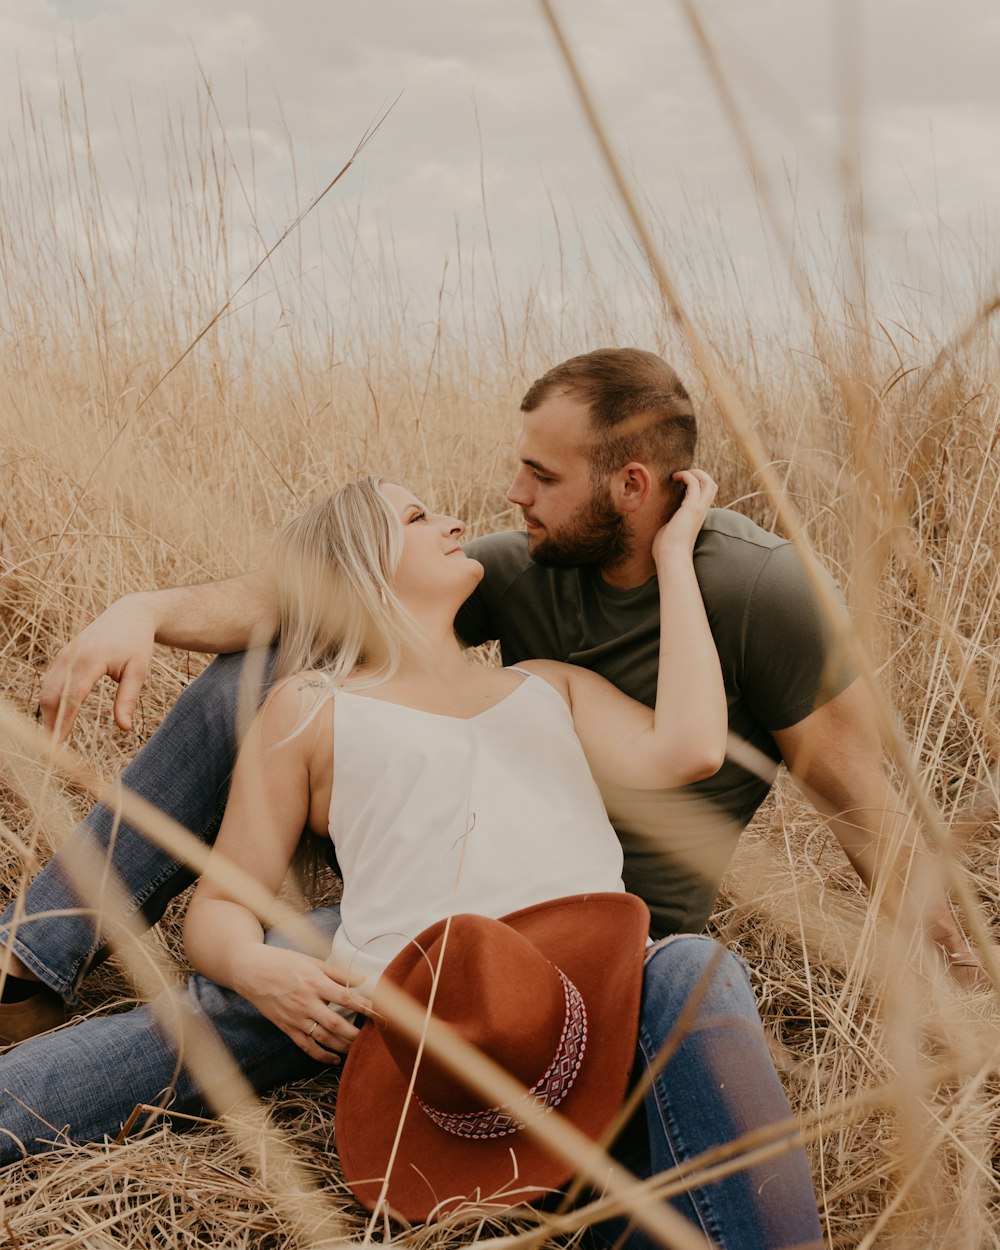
x=631, y=487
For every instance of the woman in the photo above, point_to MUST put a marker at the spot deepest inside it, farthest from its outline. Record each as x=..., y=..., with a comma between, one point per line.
x=370, y=581
x=451, y=788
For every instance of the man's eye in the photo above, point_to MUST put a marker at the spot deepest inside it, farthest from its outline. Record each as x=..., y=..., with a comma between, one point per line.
x=539, y=477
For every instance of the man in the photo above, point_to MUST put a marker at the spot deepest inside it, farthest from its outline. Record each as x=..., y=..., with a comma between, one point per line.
x=602, y=436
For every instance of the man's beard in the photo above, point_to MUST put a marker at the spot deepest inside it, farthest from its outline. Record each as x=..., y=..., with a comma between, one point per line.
x=596, y=534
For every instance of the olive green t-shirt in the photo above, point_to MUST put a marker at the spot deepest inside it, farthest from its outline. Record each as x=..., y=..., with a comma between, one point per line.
x=778, y=664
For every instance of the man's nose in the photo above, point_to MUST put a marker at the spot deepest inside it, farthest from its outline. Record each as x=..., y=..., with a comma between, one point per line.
x=516, y=491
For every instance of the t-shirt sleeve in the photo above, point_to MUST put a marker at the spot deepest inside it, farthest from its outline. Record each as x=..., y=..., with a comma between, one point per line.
x=792, y=660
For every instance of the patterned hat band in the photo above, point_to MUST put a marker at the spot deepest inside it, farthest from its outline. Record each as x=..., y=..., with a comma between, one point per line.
x=550, y=1089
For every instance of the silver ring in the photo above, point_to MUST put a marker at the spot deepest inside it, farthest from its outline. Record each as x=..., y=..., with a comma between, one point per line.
x=313, y=1029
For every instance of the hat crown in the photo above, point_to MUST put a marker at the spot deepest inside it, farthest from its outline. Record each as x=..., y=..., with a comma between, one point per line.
x=497, y=991
x=430, y=1162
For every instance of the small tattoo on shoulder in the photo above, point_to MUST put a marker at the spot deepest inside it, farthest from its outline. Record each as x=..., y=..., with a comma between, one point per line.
x=313, y=683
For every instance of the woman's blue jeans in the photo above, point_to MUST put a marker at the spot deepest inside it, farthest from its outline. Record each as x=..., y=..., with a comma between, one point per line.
x=718, y=1084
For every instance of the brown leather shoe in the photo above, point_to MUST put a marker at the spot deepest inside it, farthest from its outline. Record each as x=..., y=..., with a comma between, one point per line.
x=37, y=1014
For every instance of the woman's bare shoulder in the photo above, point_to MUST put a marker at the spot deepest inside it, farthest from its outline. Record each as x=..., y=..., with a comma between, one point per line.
x=291, y=705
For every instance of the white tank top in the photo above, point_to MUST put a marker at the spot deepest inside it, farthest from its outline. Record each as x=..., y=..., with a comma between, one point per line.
x=433, y=815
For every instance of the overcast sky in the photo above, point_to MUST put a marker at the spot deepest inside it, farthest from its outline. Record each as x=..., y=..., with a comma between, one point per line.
x=319, y=71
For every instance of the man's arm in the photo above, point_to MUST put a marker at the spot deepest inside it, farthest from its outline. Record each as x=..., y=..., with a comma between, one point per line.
x=836, y=754
x=229, y=615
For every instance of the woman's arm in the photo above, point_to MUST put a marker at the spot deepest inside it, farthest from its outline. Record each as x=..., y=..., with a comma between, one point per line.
x=684, y=738
x=276, y=775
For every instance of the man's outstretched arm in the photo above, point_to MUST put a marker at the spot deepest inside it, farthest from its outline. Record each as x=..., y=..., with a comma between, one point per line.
x=221, y=616
x=836, y=754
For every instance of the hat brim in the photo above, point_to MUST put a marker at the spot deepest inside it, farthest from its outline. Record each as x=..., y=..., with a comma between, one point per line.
x=598, y=941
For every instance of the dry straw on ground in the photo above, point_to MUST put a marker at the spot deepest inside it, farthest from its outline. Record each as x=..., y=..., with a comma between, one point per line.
x=116, y=477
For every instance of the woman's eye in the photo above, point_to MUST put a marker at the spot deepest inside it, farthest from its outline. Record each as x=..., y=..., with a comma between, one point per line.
x=418, y=516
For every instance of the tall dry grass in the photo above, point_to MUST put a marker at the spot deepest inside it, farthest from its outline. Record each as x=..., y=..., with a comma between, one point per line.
x=119, y=472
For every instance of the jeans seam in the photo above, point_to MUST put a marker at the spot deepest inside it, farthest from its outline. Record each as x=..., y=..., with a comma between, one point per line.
x=66, y=986
x=675, y=1144
x=78, y=970
x=49, y=977
x=137, y=899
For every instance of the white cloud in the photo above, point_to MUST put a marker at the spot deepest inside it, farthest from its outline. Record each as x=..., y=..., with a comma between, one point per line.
x=322, y=69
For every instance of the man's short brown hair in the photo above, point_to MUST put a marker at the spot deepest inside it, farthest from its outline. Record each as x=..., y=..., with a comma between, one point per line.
x=639, y=410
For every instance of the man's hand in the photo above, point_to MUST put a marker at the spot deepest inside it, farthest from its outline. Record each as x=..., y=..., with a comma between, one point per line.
x=230, y=615
x=836, y=755
x=965, y=963
x=118, y=644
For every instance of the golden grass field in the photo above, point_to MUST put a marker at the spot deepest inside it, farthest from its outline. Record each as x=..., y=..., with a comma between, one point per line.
x=120, y=471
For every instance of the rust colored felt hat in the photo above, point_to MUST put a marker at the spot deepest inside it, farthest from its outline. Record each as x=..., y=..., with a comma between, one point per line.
x=551, y=993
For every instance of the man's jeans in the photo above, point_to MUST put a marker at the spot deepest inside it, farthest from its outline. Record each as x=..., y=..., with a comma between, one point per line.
x=719, y=1082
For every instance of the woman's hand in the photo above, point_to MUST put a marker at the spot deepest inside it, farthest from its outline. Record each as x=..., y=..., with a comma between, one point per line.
x=683, y=739
x=297, y=992
x=684, y=526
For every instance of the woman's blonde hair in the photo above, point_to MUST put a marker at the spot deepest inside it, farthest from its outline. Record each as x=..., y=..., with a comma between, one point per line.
x=334, y=567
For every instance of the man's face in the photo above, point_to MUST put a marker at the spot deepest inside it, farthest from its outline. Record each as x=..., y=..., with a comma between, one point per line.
x=569, y=519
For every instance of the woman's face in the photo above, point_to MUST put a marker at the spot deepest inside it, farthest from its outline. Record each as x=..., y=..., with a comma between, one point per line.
x=432, y=565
